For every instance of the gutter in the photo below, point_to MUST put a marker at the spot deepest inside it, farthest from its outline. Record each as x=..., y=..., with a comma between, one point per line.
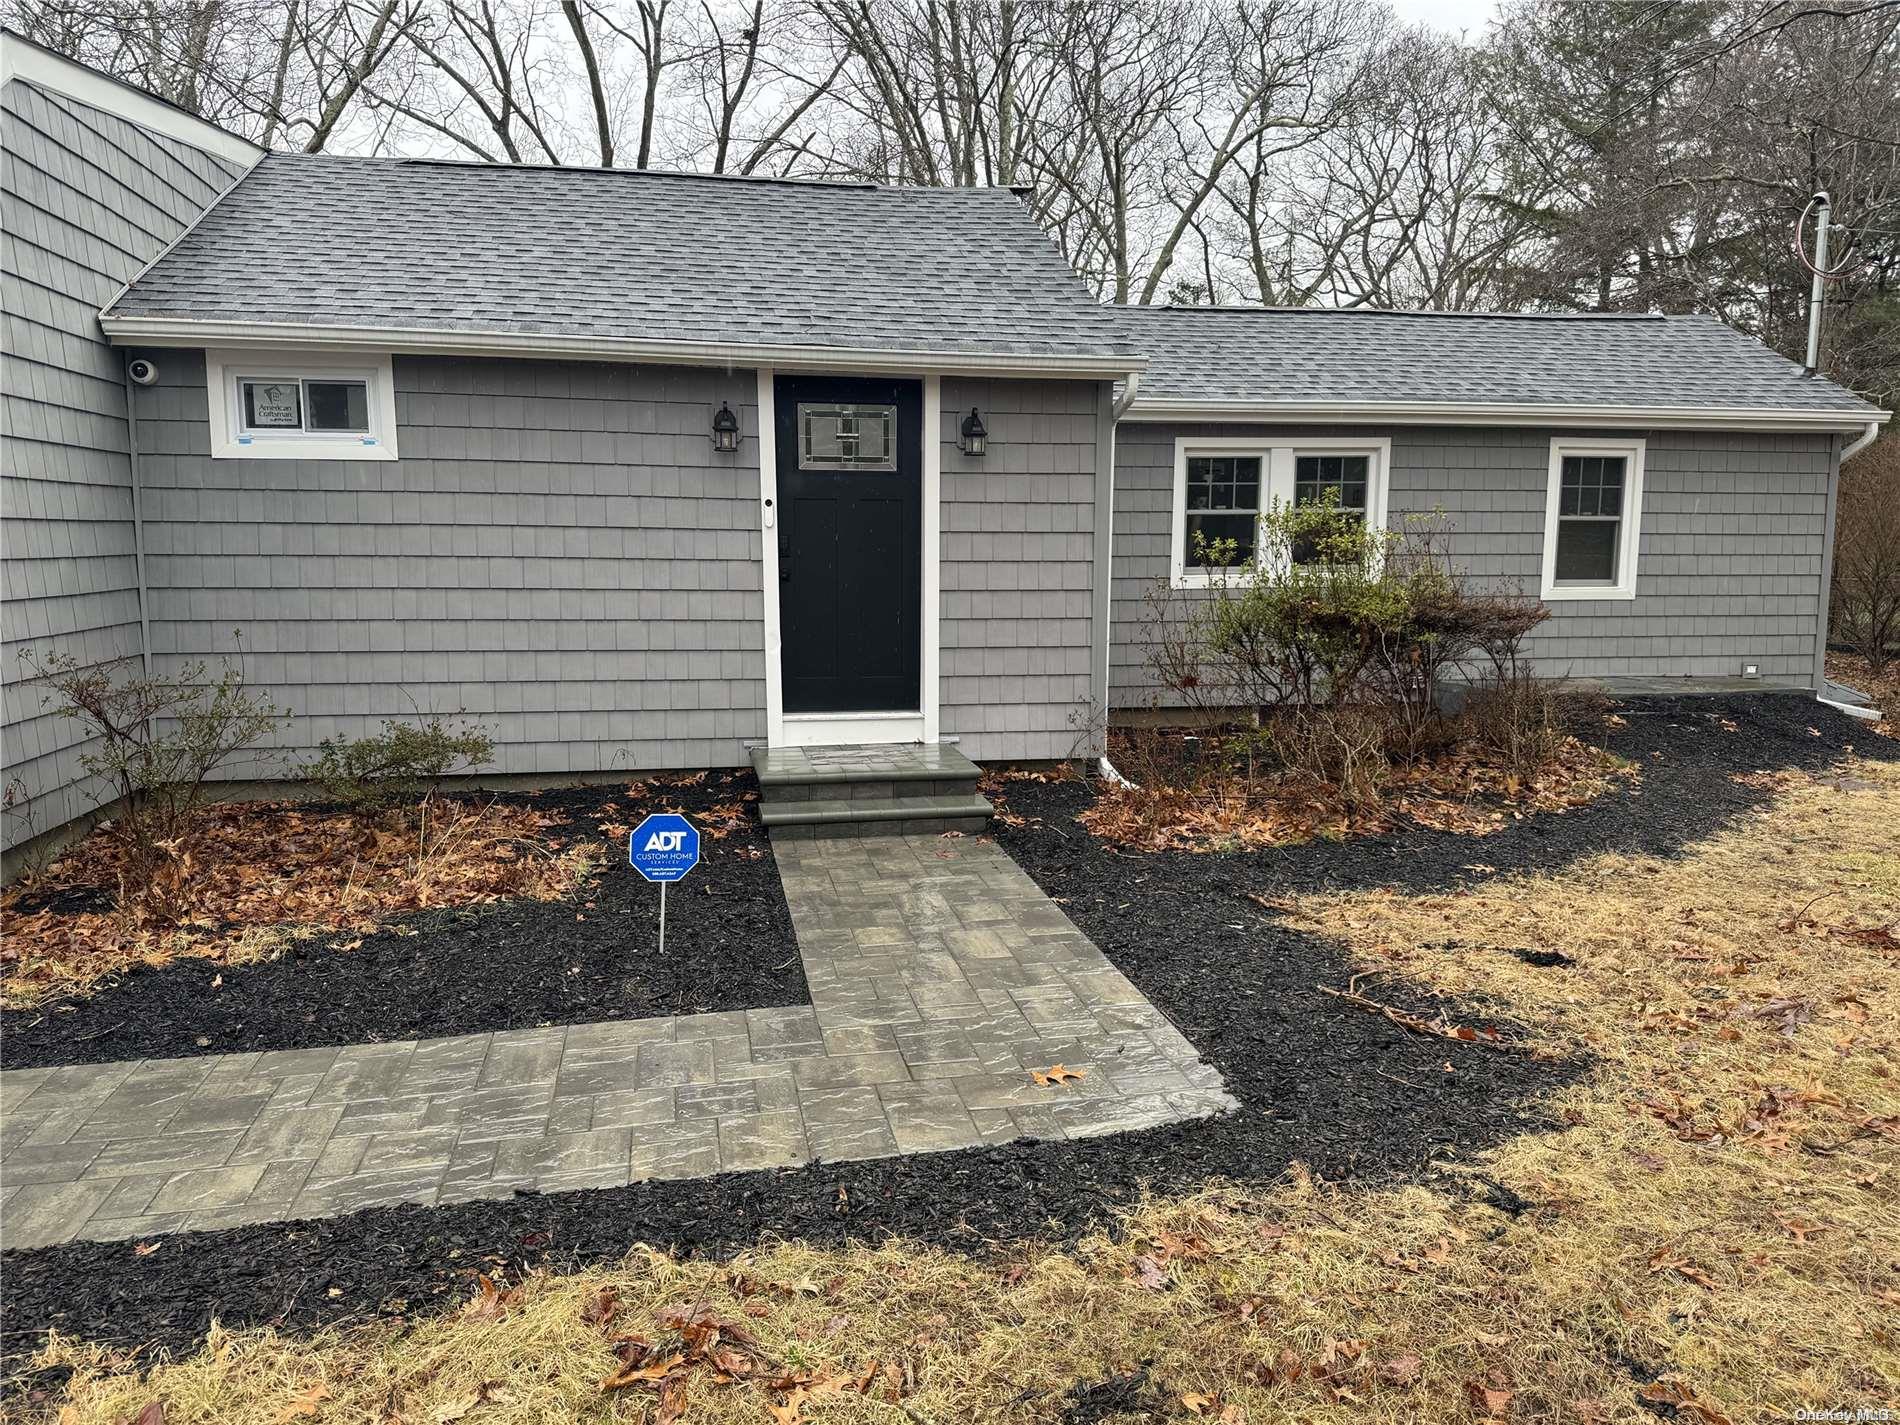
x=1728, y=418
x=449, y=341
x=1867, y=437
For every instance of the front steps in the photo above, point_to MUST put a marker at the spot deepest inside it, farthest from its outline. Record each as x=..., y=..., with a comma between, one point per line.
x=868, y=791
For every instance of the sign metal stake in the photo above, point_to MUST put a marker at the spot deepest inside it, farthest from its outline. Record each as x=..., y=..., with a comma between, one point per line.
x=663, y=848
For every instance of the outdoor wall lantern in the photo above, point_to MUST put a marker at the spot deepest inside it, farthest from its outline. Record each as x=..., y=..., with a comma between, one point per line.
x=972, y=438
x=725, y=430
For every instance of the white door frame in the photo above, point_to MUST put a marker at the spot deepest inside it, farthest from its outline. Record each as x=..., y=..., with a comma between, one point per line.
x=820, y=729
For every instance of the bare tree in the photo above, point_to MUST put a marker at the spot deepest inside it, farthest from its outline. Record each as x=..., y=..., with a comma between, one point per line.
x=1867, y=555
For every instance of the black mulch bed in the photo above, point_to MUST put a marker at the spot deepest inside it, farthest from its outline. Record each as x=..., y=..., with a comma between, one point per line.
x=1343, y=1091
x=504, y=965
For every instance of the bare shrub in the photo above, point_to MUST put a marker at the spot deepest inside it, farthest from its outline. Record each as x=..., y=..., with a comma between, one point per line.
x=157, y=739
x=1523, y=722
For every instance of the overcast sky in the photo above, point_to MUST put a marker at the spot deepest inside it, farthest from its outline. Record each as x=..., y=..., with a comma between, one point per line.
x=1451, y=15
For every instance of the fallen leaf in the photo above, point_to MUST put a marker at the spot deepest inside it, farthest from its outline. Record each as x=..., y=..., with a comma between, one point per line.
x=599, y=1308
x=1401, y=1370
x=672, y=1402
x=145, y=1249
x=1059, y=1074
x=152, y=1414
x=1151, y=1274
x=641, y=1375
x=305, y=1404
x=1493, y=1400
x=1666, y=1261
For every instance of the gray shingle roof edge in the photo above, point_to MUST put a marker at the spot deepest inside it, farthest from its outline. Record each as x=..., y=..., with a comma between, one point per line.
x=1288, y=364
x=623, y=264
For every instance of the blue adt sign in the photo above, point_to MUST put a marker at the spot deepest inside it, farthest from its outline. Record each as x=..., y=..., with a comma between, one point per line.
x=664, y=847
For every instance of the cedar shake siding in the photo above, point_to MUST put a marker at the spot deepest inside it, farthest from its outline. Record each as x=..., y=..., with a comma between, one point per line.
x=88, y=199
x=1729, y=569
x=1019, y=568
x=559, y=552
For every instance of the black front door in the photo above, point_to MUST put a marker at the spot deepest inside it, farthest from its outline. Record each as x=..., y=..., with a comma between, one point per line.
x=850, y=529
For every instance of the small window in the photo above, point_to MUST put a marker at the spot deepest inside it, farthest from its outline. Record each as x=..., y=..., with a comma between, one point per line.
x=1590, y=531
x=1339, y=481
x=279, y=405
x=1589, y=517
x=1223, y=485
x=847, y=436
x=1223, y=509
x=299, y=407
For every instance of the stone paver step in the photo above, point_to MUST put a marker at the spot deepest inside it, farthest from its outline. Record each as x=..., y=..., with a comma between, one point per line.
x=808, y=792
x=780, y=767
x=949, y=812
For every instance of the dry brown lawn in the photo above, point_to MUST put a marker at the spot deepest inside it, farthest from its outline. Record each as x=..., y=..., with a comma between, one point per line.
x=1715, y=1227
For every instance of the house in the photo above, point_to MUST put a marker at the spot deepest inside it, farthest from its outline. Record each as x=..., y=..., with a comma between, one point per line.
x=1664, y=484
x=646, y=470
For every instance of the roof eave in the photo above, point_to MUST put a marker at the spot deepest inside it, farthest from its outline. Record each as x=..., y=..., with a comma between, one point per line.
x=1742, y=418
x=236, y=335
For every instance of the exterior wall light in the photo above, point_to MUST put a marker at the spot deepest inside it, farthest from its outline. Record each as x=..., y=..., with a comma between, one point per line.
x=725, y=430
x=972, y=438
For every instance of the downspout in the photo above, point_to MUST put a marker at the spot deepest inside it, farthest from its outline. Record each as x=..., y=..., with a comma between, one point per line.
x=1860, y=442
x=138, y=516
x=1116, y=412
x=1131, y=384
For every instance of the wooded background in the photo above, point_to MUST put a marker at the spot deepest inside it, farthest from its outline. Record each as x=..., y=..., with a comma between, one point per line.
x=1642, y=155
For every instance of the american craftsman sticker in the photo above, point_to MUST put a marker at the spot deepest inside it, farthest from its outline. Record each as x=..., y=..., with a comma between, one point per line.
x=272, y=405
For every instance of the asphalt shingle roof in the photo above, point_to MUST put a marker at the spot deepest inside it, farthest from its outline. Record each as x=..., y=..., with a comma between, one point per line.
x=1232, y=355
x=624, y=255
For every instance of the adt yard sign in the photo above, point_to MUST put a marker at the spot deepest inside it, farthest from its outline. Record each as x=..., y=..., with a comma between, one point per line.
x=663, y=848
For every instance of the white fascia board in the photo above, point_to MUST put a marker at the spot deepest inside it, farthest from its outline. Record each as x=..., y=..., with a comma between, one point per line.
x=1750, y=418
x=172, y=331
x=22, y=59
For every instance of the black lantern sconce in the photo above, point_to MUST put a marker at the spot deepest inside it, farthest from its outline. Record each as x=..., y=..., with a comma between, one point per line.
x=972, y=438
x=725, y=430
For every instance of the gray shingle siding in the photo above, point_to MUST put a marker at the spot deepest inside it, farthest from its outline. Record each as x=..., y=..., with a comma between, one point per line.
x=88, y=199
x=558, y=552
x=1729, y=568
x=1019, y=567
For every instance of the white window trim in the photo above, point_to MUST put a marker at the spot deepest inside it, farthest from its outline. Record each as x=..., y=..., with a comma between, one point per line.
x=230, y=441
x=1277, y=458
x=1629, y=536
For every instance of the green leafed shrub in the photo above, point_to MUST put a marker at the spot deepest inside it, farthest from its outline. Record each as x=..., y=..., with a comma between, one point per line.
x=405, y=762
x=1337, y=640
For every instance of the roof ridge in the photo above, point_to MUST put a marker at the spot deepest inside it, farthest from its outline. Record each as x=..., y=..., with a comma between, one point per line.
x=761, y=179
x=1470, y=315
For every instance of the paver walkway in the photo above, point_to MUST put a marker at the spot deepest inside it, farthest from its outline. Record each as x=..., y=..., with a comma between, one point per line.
x=940, y=976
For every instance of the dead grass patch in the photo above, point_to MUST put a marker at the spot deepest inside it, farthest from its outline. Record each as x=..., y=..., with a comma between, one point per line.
x=1217, y=808
x=1713, y=1231
x=257, y=872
